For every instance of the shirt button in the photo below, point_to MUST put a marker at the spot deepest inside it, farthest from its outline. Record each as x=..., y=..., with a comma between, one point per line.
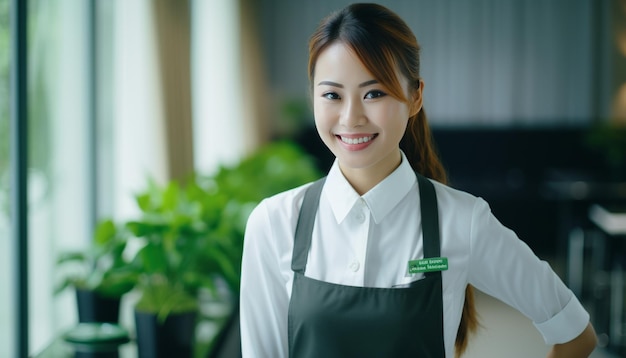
x=354, y=266
x=359, y=217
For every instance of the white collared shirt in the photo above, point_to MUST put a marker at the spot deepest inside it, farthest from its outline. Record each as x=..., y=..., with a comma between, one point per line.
x=368, y=240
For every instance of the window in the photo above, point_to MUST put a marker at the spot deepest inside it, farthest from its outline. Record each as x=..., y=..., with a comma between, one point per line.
x=7, y=320
x=83, y=164
x=59, y=154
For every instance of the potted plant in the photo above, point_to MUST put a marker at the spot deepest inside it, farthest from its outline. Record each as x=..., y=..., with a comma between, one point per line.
x=100, y=274
x=192, y=238
x=173, y=265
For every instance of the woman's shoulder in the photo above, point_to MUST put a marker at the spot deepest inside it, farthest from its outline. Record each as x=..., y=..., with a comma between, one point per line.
x=460, y=204
x=286, y=203
x=288, y=197
x=455, y=195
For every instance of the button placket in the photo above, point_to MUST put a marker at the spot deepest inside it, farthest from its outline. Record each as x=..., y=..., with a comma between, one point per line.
x=361, y=216
x=361, y=212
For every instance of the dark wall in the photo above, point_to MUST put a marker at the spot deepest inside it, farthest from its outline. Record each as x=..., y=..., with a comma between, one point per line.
x=512, y=168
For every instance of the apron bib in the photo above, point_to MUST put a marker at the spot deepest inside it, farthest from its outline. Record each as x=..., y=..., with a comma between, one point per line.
x=329, y=320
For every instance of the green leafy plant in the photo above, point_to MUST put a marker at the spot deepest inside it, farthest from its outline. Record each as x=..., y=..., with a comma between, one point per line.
x=101, y=267
x=180, y=254
x=192, y=233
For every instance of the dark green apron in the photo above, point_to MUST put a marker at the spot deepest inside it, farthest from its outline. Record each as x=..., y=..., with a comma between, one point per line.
x=329, y=320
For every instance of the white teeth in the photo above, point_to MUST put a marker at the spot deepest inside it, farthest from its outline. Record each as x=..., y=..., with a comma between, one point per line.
x=356, y=140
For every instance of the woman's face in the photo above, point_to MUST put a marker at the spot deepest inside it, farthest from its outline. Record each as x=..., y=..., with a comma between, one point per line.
x=355, y=117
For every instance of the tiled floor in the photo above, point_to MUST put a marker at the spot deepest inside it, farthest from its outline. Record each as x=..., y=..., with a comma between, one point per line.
x=507, y=333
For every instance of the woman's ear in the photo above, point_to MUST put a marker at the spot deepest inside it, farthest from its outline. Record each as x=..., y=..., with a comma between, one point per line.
x=416, y=100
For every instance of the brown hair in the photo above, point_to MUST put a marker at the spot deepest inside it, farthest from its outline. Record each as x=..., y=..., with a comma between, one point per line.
x=383, y=42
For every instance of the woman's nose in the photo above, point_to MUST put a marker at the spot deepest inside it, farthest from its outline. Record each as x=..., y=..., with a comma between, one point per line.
x=353, y=114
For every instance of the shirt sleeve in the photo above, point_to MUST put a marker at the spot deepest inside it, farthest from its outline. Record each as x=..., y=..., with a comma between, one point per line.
x=263, y=298
x=504, y=267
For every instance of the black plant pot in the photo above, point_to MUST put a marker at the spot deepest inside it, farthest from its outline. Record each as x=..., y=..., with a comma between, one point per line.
x=96, y=340
x=93, y=307
x=174, y=337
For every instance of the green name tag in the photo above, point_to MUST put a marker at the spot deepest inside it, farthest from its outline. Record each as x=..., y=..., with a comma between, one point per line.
x=428, y=265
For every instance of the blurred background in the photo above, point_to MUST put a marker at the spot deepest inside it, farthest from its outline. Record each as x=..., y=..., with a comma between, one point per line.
x=527, y=101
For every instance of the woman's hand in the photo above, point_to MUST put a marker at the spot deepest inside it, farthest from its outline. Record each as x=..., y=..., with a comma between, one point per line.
x=579, y=347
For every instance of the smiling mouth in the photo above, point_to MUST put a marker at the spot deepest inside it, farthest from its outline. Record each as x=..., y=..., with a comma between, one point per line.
x=358, y=140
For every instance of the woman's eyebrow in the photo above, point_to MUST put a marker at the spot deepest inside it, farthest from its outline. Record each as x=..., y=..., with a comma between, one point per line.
x=330, y=83
x=335, y=84
x=368, y=83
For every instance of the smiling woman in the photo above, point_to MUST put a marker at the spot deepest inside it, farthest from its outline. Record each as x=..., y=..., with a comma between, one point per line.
x=357, y=119
x=353, y=264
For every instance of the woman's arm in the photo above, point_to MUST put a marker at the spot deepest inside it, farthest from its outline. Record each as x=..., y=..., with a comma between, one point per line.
x=263, y=298
x=579, y=347
x=505, y=267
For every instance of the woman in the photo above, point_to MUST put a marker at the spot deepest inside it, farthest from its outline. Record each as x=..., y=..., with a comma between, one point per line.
x=375, y=260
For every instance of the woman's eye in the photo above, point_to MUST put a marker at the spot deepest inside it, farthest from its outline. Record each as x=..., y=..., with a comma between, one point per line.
x=330, y=95
x=375, y=94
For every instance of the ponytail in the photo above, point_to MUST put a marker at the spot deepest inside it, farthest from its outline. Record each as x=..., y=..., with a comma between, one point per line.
x=419, y=147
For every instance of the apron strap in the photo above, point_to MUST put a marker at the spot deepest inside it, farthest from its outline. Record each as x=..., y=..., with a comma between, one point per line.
x=304, y=228
x=430, y=220
x=430, y=217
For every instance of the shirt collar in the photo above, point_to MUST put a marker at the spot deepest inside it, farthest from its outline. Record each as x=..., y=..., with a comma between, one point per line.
x=380, y=200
